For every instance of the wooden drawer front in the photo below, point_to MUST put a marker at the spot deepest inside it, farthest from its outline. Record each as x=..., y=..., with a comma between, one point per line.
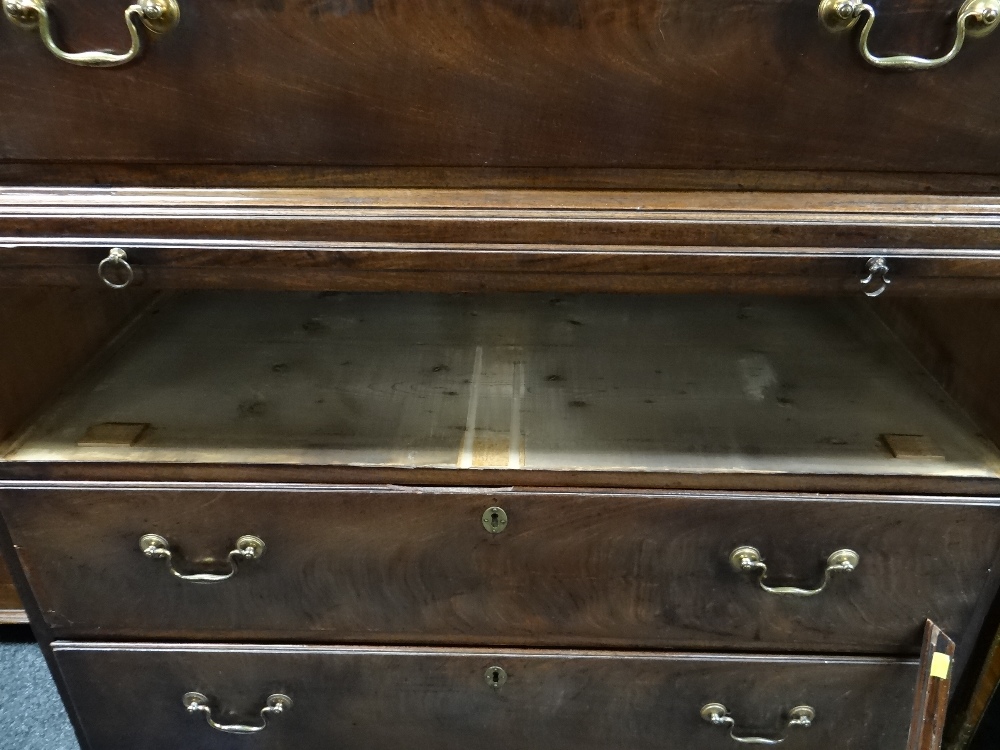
x=354, y=699
x=508, y=83
x=471, y=240
x=412, y=566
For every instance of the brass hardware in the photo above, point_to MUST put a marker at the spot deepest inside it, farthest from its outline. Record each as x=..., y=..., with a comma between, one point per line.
x=976, y=18
x=158, y=16
x=494, y=520
x=718, y=715
x=199, y=703
x=118, y=259
x=877, y=266
x=248, y=547
x=748, y=559
x=496, y=677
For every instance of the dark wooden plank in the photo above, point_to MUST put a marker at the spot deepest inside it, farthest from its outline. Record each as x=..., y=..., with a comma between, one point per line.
x=66, y=474
x=90, y=174
x=366, y=699
x=474, y=240
x=507, y=83
x=931, y=697
x=496, y=218
x=583, y=569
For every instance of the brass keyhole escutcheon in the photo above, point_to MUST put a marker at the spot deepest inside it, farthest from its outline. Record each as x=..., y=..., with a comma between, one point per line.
x=496, y=677
x=494, y=520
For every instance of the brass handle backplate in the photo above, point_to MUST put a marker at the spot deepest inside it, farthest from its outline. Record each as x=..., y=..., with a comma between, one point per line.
x=158, y=16
x=247, y=547
x=717, y=715
x=976, y=18
x=199, y=703
x=749, y=559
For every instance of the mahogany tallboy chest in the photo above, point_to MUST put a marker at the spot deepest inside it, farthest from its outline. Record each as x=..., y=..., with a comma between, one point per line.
x=521, y=374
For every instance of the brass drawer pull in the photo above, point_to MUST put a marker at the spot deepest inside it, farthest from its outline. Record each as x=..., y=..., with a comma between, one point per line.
x=248, y=547
x=748, y=559
x=976, y=18
x=199, y=703
x=116, y=259
x=717, y=715
x=879, y=267
x=158, y=16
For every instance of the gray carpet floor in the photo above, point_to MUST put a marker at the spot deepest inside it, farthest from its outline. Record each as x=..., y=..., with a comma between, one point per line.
x=31, y=715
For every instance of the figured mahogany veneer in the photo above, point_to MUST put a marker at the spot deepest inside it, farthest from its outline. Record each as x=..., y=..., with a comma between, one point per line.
x=505, y=83
x=368, y=699
x=369, y=564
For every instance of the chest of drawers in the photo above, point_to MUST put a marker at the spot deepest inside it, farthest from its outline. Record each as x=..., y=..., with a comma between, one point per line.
x=509, y=373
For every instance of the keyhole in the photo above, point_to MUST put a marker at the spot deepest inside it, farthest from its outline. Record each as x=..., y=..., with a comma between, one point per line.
x=495, y=520
x=496, y=677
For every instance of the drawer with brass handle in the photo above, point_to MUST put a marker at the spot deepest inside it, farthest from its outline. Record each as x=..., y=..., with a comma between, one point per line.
x=741, y=86
x=751, y=572
x=199, y=696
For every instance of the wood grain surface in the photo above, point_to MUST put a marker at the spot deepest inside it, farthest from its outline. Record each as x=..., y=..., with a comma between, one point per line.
x=250, y=176
x=367, y=565
x=522, y=383
x=368, y=699
x=505, y=83
x=931, y=697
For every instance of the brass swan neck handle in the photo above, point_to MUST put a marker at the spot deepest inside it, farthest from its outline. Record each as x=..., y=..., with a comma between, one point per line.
x=749, y=560
x=976, y=18
x=247, y=547
x=158, y=16
x=276, y=705
x=718, y=715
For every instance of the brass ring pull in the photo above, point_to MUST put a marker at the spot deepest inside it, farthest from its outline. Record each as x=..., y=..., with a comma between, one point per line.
x=717, y=715
x=976, y=18
x=248, y=547
x=118, y=259
x=158, y=16
x=199, y=703
x=748, y=559
x=876, y=267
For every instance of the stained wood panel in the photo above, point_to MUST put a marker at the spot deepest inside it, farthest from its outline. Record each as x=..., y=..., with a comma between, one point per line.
x=505, y=83
x=607, y=569
x=46, y=335
x=959, y=341
x=368, y=699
